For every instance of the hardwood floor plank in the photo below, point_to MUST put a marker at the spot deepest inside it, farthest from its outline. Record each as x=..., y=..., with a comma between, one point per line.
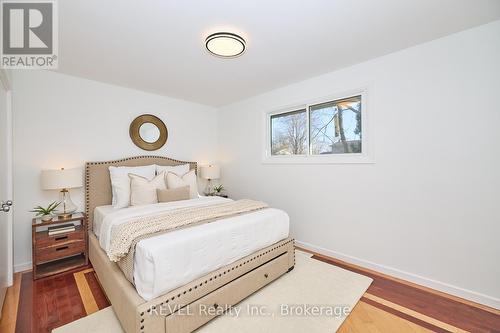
x=85, y=292
x=99, y=296
x=367, y=318
x=45, y=306
x=25, y=307
x=422, y=321
x=10, y=306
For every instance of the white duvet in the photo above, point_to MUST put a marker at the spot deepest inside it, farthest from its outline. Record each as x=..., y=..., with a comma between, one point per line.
x=165, y=262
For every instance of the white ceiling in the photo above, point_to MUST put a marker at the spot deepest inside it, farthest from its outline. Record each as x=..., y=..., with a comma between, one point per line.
x=158, y=46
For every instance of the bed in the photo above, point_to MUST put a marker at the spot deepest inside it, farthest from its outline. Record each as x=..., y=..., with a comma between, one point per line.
x=207, y=266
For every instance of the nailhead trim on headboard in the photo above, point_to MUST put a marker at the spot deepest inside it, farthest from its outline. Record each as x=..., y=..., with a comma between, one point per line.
x=193, y=166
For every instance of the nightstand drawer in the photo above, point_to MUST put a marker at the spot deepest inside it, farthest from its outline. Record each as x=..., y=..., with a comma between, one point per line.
x=59, y=251
x=43, y=240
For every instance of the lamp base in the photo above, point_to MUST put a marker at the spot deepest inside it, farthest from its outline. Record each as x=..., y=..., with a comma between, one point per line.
x=208, y=188
x=66, y=207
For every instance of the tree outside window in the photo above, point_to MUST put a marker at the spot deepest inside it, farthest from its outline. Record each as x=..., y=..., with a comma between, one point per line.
x=289, y=133
x=333, y=128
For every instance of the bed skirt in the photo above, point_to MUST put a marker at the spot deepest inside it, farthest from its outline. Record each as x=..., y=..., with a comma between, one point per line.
x=180, y=310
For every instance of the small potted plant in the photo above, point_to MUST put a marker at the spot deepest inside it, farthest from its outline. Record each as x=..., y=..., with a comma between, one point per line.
x=46, y=214
x=218, y=190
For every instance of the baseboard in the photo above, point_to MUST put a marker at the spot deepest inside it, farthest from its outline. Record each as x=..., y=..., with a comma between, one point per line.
x=23, y=267
x=414, y=278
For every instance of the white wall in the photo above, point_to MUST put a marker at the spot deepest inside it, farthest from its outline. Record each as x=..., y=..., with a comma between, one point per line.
x=63, y=121
x=428, y=209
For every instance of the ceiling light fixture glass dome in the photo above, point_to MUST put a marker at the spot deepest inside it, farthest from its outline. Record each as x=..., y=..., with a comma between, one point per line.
x=225, y=44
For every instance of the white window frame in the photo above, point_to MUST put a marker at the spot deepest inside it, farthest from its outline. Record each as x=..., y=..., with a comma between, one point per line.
x=366, y=156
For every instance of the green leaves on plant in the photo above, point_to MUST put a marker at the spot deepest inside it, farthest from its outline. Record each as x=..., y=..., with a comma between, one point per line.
x=42, y=211
x=219, y=188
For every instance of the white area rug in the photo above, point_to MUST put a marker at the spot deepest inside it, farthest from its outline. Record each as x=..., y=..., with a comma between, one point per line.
x=314, y=297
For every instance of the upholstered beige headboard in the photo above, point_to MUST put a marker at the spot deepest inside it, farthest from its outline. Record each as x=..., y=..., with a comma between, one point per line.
x=98, y=182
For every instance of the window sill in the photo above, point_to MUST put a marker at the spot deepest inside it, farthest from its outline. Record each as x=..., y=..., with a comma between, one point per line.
x=321, y=159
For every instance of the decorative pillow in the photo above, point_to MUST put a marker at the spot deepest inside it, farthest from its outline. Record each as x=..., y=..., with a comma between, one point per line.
x=143, y=191
x=189, y=179
x=174, y=194
x=177, y=169
x=120, y=182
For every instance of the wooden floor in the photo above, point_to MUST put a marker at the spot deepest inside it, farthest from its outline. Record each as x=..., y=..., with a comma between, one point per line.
x=394, y=305
x=389, y=305
x=42, y=305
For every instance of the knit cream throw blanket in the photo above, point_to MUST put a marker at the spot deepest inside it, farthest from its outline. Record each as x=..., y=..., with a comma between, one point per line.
x=126, y=235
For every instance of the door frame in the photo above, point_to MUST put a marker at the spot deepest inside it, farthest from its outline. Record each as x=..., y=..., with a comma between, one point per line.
x=6, y=84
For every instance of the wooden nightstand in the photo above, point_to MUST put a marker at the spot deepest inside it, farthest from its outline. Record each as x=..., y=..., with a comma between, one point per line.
x=60, y=253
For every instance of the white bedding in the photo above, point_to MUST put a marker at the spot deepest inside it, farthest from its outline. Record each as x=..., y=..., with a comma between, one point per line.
x=165, y=262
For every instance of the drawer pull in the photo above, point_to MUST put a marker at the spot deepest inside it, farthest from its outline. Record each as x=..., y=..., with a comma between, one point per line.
x=266, y=275
x=62, y=248
x=60, y=238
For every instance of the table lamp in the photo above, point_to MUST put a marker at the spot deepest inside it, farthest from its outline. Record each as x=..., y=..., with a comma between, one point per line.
x=63, y=180
x=210, y=172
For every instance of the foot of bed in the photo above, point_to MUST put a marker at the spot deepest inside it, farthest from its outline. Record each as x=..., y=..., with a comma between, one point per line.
x=290, y=269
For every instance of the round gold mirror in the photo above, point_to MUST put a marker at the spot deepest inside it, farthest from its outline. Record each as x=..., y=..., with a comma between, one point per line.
x=148, y=132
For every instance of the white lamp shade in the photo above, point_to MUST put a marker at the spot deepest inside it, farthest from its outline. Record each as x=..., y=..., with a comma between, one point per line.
x=61, y=179
x=210, y=172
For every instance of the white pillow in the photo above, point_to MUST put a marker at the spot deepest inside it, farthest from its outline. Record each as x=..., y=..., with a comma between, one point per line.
x=188, y=179
x=177, y=169
x=120, y=182
x=143, y=191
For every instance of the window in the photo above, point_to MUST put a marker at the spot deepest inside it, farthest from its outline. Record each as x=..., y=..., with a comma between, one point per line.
x=335, y=127
x=289, y=133
x=314, y=131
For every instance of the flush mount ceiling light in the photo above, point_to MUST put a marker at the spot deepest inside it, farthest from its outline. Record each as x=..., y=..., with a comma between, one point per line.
x=225, y=44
